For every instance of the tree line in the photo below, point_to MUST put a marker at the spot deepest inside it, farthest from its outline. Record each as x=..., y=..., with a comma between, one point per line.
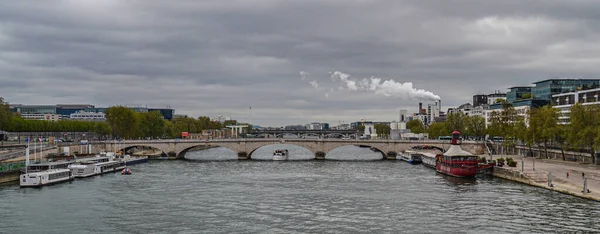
x=541, y=129
x=121, y=122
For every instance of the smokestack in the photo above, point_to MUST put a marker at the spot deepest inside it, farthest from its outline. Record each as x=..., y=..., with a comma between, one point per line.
x=420, y=108
x=440, y=103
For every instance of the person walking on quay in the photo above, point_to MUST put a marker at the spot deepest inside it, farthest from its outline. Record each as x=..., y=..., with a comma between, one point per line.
x=583, y=174
x=567, y=174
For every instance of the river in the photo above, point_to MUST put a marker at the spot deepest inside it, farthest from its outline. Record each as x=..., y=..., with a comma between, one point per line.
x=211, y=192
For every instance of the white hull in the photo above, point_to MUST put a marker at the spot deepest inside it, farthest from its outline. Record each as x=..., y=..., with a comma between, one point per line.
x=280, y=157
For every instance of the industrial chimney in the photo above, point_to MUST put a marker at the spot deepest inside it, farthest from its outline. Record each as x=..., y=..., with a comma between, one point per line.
x=420, y=108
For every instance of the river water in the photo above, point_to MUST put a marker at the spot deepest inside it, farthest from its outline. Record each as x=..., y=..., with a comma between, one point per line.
x=211, y=192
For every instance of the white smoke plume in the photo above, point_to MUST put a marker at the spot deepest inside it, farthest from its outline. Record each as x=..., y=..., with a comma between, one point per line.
x=386, y=88
x=304, y=75
x=314, y=84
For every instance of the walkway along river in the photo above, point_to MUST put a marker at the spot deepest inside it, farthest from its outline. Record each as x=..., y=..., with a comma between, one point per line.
x=228, y=196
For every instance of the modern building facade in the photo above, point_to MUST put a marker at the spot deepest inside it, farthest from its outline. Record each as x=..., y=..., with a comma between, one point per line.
x=546, y=88
x=479, y=99
x=516, y=93
x=564, y=102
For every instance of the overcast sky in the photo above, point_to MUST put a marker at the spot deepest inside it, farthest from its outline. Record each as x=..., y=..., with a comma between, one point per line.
x=280, y=57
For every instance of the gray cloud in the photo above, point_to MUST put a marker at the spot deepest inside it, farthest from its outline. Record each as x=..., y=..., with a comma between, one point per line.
x=209, y=57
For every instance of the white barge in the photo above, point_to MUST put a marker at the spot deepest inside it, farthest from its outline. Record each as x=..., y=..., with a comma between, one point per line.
x=41, y=178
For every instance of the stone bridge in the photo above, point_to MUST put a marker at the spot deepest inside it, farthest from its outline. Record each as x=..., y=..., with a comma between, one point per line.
x=245, y=147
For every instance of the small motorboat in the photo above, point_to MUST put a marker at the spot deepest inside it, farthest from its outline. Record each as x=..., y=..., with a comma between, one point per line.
x=126, y=171
x=280, y=155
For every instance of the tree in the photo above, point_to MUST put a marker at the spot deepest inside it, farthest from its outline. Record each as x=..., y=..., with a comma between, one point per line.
x=382, y=129
x=543, y=123
x=476, y=126
x=102, y=129
x=415, y=126
x=456, y=121
x=437, y=129
x=169, y=129
x=502, y=123
x=526, y=96
x=152, y=124
x=123, y=121
x=585, y=126
x=561, y=137
x=5, y=115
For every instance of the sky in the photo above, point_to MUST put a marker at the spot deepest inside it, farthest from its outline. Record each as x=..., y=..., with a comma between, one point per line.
x=286, y=62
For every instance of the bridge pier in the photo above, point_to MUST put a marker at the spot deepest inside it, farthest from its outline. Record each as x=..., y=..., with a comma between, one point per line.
x=243, y=156
x=391, y=155
x=320, y=155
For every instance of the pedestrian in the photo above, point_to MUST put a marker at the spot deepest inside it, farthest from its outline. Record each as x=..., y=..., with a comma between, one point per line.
x=583, y=174
x=567, y=174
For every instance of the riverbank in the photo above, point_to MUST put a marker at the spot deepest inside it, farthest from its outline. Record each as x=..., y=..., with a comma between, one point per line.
x=566, y=177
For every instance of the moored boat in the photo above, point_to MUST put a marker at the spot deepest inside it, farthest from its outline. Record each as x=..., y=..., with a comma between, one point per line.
x=411, y=157
x=111, y=166
x=126, y=171
x=47, y=177
x=455, y=161
x=86, y=167
x=280, y=155
x=428, y=160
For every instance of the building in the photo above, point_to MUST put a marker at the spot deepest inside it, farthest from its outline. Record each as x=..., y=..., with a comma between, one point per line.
x=314, y=126
x=521, y=107
x=36, y=116
x=167, y=113
x=516, y=93
x=88, y=116
x=480, y=99
x=67, y=109
x=494, y=97
x=546, y=88
x=564, y=102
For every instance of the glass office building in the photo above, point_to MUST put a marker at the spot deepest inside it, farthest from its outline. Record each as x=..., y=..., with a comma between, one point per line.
x=516, y=93
x=546, y=88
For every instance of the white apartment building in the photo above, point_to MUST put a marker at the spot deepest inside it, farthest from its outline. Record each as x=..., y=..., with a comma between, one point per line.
x=564, y=101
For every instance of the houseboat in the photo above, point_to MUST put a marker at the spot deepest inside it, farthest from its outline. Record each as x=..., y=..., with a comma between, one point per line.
x=428, y=159
x=47, y=177
x=280, y=155
x=83, y=169
x=411, y=157
x=110, y=166
x=455, y=161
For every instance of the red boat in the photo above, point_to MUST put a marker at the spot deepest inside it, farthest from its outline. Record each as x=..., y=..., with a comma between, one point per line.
x=455, y=161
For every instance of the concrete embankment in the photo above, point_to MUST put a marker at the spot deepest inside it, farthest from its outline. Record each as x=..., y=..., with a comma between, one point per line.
x=566, y=178
x=9, y=177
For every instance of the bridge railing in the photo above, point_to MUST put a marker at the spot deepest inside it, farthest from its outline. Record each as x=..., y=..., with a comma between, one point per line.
x=277, y=140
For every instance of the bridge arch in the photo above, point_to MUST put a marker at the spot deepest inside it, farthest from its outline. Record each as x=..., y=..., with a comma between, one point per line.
x=283, y=145
x=181, y=153
x=358, y=147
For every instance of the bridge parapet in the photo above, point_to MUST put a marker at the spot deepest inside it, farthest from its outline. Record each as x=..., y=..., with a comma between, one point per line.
x=249, y=145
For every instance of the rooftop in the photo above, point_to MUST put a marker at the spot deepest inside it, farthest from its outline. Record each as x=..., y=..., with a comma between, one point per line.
x=561, y=79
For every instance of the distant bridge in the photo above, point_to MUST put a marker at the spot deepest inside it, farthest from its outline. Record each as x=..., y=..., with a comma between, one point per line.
x=245, y=147
x=304, y=132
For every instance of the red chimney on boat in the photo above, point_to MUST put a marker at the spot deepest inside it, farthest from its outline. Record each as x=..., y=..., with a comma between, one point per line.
x=455, y=137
